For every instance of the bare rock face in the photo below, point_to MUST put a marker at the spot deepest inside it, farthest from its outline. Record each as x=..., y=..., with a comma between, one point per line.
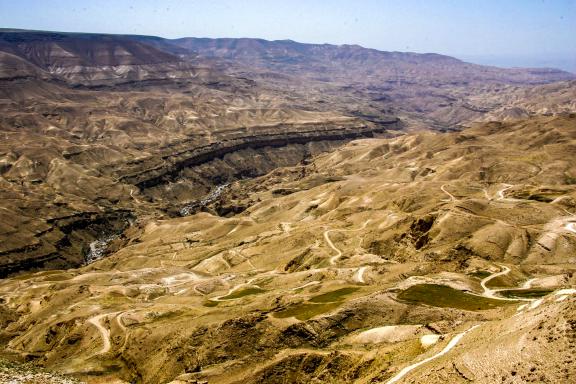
x=245, y=211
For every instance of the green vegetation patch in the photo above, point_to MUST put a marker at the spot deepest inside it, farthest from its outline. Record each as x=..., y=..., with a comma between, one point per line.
x=112, y=300
x=242, y=293
x=333, y=296
x=480, y=274
x=444, y=296
x=540, y=197
x=500, y=281
x=525, y=293
x=59, y=277
x=317, y=305
x=305, y=311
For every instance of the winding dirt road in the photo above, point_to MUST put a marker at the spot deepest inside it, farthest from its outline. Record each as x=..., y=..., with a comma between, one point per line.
x=491, y=293
x=359, y=275
x=338, y=254
x=500, y=193
x=452, y=198
x=331, y=245
x=104, y=332
x=455, y=340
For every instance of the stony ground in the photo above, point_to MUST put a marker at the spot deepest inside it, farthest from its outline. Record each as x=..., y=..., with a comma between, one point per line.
x=13, y=373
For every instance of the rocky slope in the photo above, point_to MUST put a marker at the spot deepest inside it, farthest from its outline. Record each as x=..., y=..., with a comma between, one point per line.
x=259, y=211
x=92, y=139
x=430, y=90
x=368, y=260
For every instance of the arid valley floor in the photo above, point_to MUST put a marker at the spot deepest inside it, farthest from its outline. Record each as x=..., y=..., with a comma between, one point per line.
x=251, y=211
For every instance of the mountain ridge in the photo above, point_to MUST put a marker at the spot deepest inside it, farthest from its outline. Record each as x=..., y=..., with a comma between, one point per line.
x=229, y=44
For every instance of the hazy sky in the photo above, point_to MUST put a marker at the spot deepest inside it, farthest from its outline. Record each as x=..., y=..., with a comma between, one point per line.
x=504, y=32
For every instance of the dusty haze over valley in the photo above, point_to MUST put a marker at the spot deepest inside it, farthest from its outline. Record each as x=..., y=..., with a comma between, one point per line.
x=249, y=210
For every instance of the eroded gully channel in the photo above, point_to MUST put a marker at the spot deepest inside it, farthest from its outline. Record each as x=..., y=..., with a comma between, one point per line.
x=202, y=176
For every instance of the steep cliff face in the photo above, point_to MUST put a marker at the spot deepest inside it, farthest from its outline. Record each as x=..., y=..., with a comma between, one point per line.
x=273, y=137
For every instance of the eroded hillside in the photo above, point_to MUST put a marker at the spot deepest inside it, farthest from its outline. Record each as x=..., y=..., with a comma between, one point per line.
x=405, y=259
x=101, y=131
x=251, y=211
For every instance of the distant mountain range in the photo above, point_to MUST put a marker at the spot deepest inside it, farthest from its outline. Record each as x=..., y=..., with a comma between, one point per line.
x=65, y=53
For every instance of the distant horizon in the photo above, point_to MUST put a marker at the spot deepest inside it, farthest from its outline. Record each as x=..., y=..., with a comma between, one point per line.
x=488, y=60
x=514, y=33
